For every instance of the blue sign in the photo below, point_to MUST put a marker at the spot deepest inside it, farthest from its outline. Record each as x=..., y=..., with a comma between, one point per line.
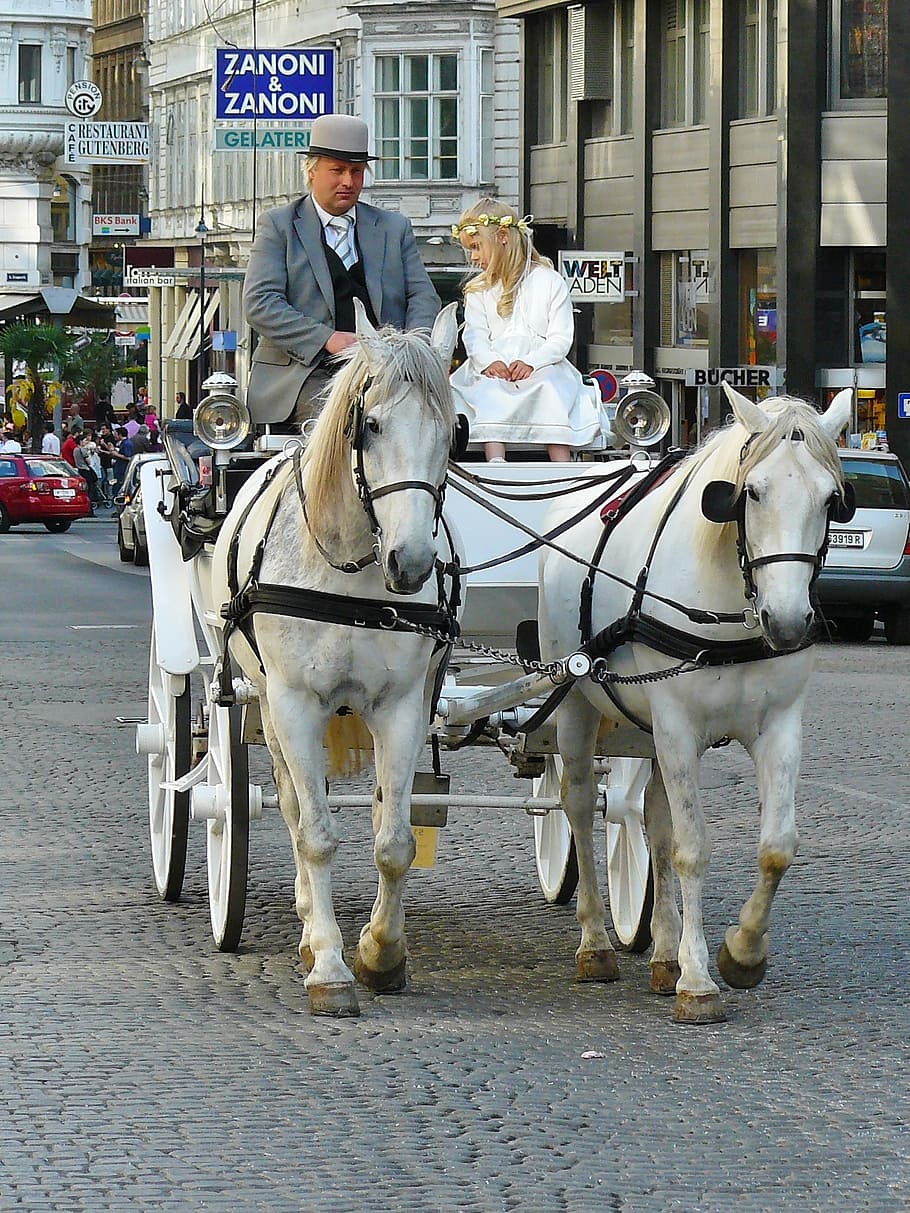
x=294, y=85
x=903, y=405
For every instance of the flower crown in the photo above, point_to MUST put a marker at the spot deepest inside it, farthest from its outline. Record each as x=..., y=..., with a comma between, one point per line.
x=469, y=226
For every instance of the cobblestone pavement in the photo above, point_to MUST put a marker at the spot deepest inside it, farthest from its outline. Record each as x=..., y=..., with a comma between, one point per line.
x=142, y=1070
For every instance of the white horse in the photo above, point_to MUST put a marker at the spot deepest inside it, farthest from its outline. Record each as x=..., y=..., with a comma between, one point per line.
x=355, y=520
x=777, y=480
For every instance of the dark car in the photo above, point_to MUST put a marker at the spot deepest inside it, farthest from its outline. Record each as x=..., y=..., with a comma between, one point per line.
x=131, y=524
x=41, y=488
x=867, y=572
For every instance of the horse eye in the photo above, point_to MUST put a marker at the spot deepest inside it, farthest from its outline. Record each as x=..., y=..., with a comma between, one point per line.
x=371, y=425
x=751, y=492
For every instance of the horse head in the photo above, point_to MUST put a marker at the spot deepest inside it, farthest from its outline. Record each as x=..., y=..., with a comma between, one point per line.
x=401, y=435
x=786, y=488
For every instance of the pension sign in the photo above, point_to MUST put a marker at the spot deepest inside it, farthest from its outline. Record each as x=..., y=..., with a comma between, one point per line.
x=294, y=85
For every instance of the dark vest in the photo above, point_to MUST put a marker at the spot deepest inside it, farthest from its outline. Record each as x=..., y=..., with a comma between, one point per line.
x=347, y=284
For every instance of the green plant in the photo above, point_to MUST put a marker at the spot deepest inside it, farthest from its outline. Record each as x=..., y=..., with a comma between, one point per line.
x=96, y=366
x=41, y=347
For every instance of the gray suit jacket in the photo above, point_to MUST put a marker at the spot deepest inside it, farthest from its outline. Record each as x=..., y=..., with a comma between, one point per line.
x=289, y=300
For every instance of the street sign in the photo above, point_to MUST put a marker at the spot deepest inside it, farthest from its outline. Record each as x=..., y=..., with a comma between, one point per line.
x=276, y=139
x=607, y=383
x=139, y=276
x=289, y=84
x=594, y=277
x=736, y=376
x=903, y=405
x=115, y=225
x=83, y=98
x=106, y=142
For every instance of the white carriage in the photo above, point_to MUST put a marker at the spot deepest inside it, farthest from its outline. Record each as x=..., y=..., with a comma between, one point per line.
x=196, y=743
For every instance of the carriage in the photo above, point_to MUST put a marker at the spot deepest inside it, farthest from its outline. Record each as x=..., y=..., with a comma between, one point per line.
x=483, y=681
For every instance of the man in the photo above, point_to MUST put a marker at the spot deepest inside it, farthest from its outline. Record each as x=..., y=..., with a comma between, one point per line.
x=76, y=423
x=184, y=411
x=50, y=443
x=308, y=263
x=9, y=443
x=68, y=450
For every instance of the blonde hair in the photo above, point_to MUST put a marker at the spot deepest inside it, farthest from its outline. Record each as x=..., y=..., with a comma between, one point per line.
x=487, y=221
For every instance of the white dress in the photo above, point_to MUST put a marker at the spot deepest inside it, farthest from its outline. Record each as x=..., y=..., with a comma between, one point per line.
x=554, y=404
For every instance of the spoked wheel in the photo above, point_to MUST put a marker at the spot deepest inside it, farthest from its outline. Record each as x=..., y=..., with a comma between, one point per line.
x=167, y=742
x=630, y=878
x=554, y=846
x=227, y=825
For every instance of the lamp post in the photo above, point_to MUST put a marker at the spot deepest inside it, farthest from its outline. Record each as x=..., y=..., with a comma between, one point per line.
x=201, y=231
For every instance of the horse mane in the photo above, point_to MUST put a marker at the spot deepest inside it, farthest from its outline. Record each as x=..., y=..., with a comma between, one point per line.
x=387, y=360
x=732, y=452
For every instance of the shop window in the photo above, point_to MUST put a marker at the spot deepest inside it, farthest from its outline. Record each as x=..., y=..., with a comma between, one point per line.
x=859, y=66
x=686, y=60
x=832, y=326
x=416, y=117
x=613, y=321
x=692, y=298
x=547, y=44
x=757, y=58
x=869, y=320
x=758, y=307
x=29, y=74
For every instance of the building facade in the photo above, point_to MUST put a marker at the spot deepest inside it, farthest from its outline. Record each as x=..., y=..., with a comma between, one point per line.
x=438, y=86
x=45, y=204
x=735, y=158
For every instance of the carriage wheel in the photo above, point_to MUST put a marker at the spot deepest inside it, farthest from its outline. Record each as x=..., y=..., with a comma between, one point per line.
x=227, y=832
x=630, y=878
x=168, y=745
x=554, y=846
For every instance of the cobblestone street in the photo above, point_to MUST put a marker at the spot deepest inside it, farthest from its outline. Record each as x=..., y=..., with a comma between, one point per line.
x=142, y=1070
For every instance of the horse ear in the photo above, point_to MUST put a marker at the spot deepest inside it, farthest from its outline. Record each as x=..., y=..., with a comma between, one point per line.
x=445, y=333
x=720, y=501
x=746, y=412
x=366, y=335
x=838, y=413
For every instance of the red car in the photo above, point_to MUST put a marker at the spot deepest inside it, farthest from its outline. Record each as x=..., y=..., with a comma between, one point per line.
x=41, y=488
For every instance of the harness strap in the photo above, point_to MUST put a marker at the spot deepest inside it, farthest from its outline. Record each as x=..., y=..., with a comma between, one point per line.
x=349, y=566
x=299, y=603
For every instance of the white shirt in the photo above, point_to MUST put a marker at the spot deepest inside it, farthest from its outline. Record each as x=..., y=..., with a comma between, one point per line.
x=9, y=446
x=325, y=219
x=50, y=445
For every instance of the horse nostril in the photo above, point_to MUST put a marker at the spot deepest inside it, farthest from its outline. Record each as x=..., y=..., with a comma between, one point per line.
x=764, y=620
x=393, y=565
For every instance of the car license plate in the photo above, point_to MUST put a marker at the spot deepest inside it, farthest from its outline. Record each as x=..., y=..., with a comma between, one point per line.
x=65, y=493
x=847, y=539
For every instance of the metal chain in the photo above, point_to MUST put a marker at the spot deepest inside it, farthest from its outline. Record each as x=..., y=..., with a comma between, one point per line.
x=554, y=669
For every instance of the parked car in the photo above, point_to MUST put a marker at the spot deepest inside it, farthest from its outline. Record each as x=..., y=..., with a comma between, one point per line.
x=41, y=488
x=867, y=572
x=131, y=541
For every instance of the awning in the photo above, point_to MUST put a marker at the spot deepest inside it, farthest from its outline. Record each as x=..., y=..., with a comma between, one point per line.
x=183, y=343
x=56, y=302
x=133, y=313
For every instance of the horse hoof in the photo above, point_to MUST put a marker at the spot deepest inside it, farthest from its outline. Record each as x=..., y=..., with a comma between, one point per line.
x=388, y=981
x=305, y=952
x=739, y=976
x=698, y=1009
x=337, y=999
x=664, y=976
x=599, y=965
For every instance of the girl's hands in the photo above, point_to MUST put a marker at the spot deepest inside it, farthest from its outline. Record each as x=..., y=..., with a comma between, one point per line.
x=519, y=370
x=497, y=370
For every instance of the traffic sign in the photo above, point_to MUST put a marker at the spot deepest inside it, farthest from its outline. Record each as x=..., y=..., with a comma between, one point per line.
x=83, y=98
x=903, y=405
x=606, y=381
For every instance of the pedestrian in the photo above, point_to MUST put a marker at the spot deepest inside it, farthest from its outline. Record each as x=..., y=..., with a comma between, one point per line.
x=310, y=261
x=50, y=443
x=517, y=384
x=141, y=442
x=184, y=410
x=68, y=448
x=88, y=450
x=76, y=422
x=151, y=418
x=9, y=443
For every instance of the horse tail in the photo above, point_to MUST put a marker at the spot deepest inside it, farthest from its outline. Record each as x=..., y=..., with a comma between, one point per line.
x=348, y=746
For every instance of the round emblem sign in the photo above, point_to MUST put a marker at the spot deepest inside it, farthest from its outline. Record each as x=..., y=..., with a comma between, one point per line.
x=83, y=99
x=606, y=381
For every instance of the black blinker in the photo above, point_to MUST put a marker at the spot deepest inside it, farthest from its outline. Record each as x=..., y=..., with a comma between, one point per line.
x=720, y=501
x=460, y=436
x=843, y=508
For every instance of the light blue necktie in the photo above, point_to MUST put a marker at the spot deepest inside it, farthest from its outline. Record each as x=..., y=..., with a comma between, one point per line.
x=342, y=238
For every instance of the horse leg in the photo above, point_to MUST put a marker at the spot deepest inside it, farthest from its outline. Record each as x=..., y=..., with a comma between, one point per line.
x=743, y=956
x=298, y=726
x=576, y=724
x=697, y=996
x=381, y=961
x=665, y=920
x=290, y=811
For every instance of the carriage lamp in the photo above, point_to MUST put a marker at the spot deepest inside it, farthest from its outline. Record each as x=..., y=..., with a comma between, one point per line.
x=221, y=420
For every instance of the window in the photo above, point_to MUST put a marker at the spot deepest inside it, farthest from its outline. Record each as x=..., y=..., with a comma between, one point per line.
x=416, y=99
x=70, y=66
x=860, y=62
x=29, y=74
x=685, y=75
x=63, y=210
x=758, y=307
x=758, y=58
x=614, y=116
x=688, y=300
x=486, y=115
x=348, y=86
x=547, y=42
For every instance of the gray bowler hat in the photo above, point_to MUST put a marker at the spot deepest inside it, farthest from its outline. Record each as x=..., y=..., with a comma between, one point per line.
x=340, y=136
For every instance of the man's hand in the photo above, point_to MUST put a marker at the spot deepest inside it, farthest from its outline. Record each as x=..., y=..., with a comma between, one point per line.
x=339, y=341
x=519, y=370
x=496, y=370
